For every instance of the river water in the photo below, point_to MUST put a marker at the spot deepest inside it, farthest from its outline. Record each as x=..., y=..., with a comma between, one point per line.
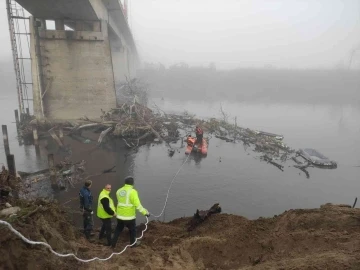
x=230, y=174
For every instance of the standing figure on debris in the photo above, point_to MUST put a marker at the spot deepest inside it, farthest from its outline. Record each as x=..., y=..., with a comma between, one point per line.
x=86, y=200
x=128, y=202
x=199, y=135
x=105, y=211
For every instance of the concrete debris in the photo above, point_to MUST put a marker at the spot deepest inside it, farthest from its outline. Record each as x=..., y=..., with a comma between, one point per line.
x=9, y=211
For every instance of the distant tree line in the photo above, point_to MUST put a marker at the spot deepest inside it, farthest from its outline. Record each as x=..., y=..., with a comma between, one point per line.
x=183, y=82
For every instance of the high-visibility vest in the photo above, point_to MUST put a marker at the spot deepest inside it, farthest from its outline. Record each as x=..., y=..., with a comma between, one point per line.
x=101, y=213
x=128, y=202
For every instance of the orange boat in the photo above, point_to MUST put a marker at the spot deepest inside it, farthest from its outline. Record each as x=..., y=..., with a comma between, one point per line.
x=193, y=146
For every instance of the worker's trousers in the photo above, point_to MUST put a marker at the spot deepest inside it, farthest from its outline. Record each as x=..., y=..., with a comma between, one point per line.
x=88, y=224
x=130, y=224
x=106, y=229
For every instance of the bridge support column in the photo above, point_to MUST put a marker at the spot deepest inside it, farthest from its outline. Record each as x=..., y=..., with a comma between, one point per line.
x=59, y=25
x=76, y=69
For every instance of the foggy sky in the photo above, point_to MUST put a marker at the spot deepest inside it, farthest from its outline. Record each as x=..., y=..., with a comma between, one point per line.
x=240, y=33
x=232, y=33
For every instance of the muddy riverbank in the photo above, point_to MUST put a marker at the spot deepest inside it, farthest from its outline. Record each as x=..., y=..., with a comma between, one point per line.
x=323, y=238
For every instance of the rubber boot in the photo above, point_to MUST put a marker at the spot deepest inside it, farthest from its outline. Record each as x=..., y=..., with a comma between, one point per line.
x=138, y=243
x=88, y=237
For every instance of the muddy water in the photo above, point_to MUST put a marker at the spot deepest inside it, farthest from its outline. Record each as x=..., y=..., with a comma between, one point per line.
x=229, y=174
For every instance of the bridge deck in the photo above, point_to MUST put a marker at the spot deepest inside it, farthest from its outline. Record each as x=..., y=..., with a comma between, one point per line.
x=60, y=9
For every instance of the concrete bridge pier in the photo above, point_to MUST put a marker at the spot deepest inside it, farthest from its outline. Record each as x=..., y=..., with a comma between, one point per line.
x=76, y=65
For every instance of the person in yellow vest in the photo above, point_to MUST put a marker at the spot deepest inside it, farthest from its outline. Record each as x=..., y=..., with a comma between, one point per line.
x=105, y=211
x=128, y=203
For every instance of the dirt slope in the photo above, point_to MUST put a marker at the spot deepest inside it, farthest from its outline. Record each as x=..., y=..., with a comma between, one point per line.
x=324, y=238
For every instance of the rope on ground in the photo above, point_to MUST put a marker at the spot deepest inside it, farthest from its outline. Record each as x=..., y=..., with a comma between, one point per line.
x=17, y=233
x=71, y=254
x=168, y=191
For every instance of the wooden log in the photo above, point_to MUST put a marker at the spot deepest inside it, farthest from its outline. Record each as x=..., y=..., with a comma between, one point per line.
x=103, y=134
x=55, y=137
x=11, y=165
x=201, y=216
x=6, y=140
x=17, y=118
x=354, y=203
x=144, y=136
x=161, y=139
x=32, y=212
x=52, y=170
x=61, y=134
x=35, y=135
x=269, y=160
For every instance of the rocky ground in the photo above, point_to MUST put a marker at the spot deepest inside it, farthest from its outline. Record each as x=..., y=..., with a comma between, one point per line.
x=323, y=238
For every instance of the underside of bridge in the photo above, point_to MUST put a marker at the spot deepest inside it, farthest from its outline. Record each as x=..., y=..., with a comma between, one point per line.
x=77, y=64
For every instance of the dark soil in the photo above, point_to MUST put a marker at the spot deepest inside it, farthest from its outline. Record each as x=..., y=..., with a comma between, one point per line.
x=324, y=238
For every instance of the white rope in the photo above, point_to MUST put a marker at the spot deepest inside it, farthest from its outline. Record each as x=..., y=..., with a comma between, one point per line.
x=95, y=258
x=167, y=195
x=71, y=254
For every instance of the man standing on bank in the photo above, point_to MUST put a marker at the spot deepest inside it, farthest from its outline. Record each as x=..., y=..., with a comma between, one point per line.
x=105, y=211
x=86, y=200
x=128, y=202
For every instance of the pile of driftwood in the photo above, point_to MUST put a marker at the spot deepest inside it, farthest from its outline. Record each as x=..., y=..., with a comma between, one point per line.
x=135, y=124
x=271, y=146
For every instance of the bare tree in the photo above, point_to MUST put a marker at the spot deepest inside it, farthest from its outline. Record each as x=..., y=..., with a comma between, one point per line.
x=224, y=115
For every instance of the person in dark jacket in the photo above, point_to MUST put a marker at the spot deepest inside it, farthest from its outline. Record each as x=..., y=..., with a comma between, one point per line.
x=86, y=201
x=105, y=211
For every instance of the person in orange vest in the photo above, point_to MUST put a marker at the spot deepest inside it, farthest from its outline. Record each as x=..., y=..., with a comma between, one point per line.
x=199, y=135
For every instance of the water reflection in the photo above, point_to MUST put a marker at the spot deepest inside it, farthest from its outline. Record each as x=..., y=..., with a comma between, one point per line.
x=37, y=153
x=197, y=158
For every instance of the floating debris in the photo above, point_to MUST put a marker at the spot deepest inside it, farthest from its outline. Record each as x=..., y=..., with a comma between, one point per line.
x=270, y=160
x=316, y=158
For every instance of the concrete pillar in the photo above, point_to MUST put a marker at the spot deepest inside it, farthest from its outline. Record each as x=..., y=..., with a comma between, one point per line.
x=6, y=140
x=88, y=26
x=52, y=170
x=43, y=23
x=59, y=25
x=35, y=136
x=37, y=66
x=125, y=10
x=17, y=118
x=79, y=26
x=11, y=164
x=97, y=26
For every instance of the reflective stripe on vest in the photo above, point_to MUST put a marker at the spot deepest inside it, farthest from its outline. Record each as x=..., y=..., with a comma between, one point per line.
x=125, y=210
x=128, y=203
x=128, y=192
x=125, y=218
